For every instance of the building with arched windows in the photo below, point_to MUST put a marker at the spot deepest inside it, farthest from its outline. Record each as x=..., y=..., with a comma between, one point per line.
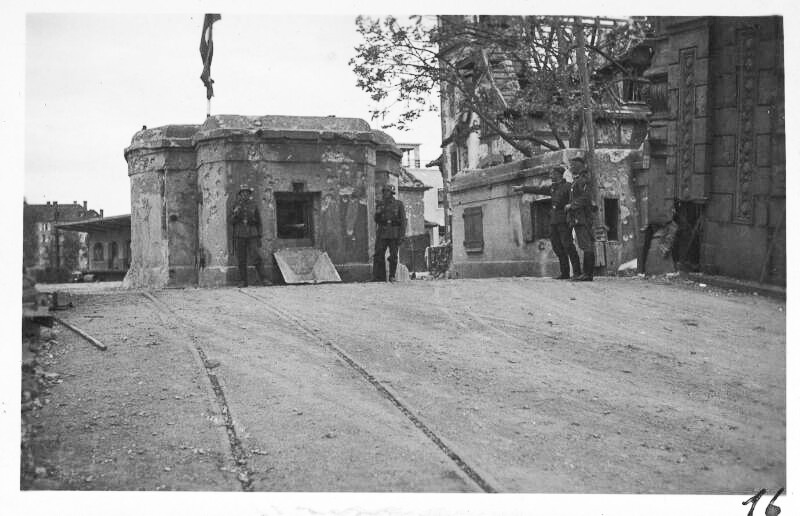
x=107, y=244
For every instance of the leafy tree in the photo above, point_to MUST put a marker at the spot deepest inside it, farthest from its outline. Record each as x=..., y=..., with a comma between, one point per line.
x=508, y=70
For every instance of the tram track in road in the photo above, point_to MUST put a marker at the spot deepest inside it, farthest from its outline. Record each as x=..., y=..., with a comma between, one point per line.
x=458, y=459
x=243, y=472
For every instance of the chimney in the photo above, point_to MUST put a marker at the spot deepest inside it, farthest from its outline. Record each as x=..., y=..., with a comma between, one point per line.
x=48, y=203
x=101, y=214
x=84, y=205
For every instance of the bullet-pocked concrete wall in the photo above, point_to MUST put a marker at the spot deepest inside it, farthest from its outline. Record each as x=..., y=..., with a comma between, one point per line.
x=336, y=173
x=184, y=180
x=508, y=247
x=161, y=165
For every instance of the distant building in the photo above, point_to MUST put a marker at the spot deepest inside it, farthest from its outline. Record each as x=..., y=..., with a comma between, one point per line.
x=107, y=243
x=431, y=178
x=48, y=253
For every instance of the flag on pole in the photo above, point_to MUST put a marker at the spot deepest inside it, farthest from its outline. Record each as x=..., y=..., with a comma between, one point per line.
x=207, y=52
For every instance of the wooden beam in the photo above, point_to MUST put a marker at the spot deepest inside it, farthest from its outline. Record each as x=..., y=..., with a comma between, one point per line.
x=92, y=340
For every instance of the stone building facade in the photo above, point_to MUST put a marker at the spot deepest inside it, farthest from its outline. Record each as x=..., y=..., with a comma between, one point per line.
x=717, y=143
x=702, y=118
x=314, y=178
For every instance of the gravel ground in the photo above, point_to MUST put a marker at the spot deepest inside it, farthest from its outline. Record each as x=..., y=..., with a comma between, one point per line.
x=520, y=385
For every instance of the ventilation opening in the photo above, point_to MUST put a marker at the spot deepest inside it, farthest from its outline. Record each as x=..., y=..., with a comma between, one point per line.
x=294, y=214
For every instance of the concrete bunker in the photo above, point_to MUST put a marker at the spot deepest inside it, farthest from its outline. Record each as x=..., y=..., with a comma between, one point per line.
x=314, y=180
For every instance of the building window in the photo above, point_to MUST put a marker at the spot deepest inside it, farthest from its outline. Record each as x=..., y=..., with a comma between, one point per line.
x=473, y=230
x=611, y=218
x=453, y=162
x=294, y=215
x=656, y=94
x=440, y=197
x=97, y=252
x=540, y=218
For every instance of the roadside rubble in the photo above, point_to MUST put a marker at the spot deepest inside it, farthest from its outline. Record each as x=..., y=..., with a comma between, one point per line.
x=37, y=381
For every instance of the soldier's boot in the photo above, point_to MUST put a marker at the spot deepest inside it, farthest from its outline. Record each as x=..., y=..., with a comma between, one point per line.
x=564, y=264
x=378, y=269
x=588, y=267
x=576, y=262
x=262, y=277
x=392, y=269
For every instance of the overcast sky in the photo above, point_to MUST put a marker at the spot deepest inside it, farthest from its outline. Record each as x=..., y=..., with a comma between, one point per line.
x=93, y=80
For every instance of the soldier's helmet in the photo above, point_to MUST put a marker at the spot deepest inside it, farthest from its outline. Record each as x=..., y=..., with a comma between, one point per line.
x=388, y=188
x=581, y=164
x=558, y=169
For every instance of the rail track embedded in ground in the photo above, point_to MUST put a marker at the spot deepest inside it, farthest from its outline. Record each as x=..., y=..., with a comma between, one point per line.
x=244, y=473
x=404, y=408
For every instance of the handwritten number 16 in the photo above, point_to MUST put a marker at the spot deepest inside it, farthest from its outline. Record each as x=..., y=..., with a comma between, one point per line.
x=772, y=510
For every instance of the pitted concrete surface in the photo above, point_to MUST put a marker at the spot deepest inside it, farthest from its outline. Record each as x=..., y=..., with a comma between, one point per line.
x=516, y=385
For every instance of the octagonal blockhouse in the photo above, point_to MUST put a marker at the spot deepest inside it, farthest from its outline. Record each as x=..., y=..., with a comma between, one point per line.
x=314, y=180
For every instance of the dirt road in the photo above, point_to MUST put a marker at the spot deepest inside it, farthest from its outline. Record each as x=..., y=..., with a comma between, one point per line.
x=518, y=385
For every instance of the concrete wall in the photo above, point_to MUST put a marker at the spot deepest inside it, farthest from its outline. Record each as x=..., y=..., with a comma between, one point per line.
x=159, y=166
x=509, y=249
x=336, y=172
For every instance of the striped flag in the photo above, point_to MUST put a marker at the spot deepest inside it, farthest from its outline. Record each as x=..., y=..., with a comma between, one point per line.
x=207, y=52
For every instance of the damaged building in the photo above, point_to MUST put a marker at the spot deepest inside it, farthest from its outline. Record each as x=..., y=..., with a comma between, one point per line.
x=314, y=181
x=690, y=164
x=717, y=165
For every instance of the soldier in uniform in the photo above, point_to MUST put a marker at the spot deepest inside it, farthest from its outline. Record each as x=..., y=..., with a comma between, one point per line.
x=580, y=215
x=246, y=221
x=560, y=232
x=390, y=215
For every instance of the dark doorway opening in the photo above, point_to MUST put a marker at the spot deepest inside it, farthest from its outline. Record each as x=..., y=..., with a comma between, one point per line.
x=686, y=251
x=611, y=217
x=294, y=213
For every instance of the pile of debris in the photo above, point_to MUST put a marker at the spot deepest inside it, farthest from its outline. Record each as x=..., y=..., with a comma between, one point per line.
x=36, y=384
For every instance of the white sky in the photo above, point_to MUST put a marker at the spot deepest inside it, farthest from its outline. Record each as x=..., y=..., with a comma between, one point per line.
x=93, y=80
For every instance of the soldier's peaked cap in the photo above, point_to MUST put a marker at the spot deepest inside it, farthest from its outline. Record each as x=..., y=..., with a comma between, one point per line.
x=579, y=158
x=245, y=188
x=388, y=188
x=559, y=169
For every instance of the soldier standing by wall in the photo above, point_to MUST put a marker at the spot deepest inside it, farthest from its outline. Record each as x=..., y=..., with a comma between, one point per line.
x=390, y=214
x=246, y=221
x=560, y=232
x=580, y=215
